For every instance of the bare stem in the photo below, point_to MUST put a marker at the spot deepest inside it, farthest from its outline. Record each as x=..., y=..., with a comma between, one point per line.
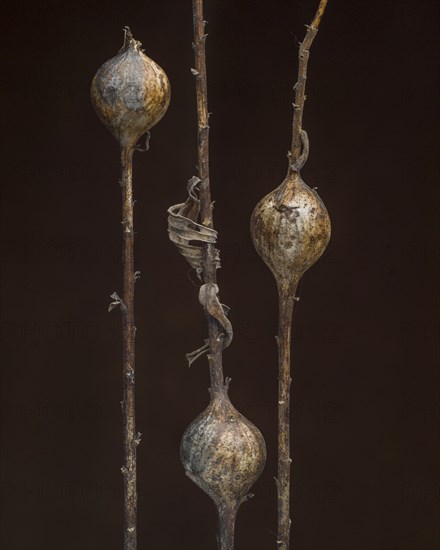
x=227, y=517
x=286, y=303
x=300, y=86
x=128, y=334
x=209, y=263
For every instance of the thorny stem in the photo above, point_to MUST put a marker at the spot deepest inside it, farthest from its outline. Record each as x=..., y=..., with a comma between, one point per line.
x=215, y=334
x=209, y=263
x=300, y=86
x=297, y=157
x=286, y=303
x=131, y=440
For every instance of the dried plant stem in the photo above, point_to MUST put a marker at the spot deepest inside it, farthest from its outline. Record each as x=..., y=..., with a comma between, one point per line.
x=286, y=303
x=297, y=157
x=209, y=263
x=215, y=334
x=131, y=440
x=300, y=86
x=226, y=528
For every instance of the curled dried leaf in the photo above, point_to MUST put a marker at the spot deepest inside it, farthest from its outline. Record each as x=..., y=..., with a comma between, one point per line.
x=186, y=233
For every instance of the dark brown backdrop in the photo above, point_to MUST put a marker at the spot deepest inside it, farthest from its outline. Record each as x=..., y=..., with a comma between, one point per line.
x=365, y=347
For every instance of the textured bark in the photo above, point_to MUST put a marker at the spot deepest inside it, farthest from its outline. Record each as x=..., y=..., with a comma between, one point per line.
x=300, y=86
x=286, y=301
x=128, y=353
x=209, y=265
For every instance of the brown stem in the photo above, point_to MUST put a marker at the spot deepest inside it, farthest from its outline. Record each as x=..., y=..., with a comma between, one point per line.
x=286, y=303
x=300, y=87
x=227, y=517
x=131, y=440
x=209, y=263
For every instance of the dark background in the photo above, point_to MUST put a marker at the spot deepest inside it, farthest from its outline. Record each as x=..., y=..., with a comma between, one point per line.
x=365, y=413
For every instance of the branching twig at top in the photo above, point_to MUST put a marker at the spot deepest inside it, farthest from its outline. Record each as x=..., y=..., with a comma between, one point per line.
x=300, y=87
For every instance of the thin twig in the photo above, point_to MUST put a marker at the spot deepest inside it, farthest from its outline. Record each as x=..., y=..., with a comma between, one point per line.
x=300, y=86
x=131, y=439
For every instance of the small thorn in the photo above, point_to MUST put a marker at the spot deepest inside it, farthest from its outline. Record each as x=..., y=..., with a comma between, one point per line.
x=296, y=298
x=137, y=439
x=249, y=496
x=194, y=72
